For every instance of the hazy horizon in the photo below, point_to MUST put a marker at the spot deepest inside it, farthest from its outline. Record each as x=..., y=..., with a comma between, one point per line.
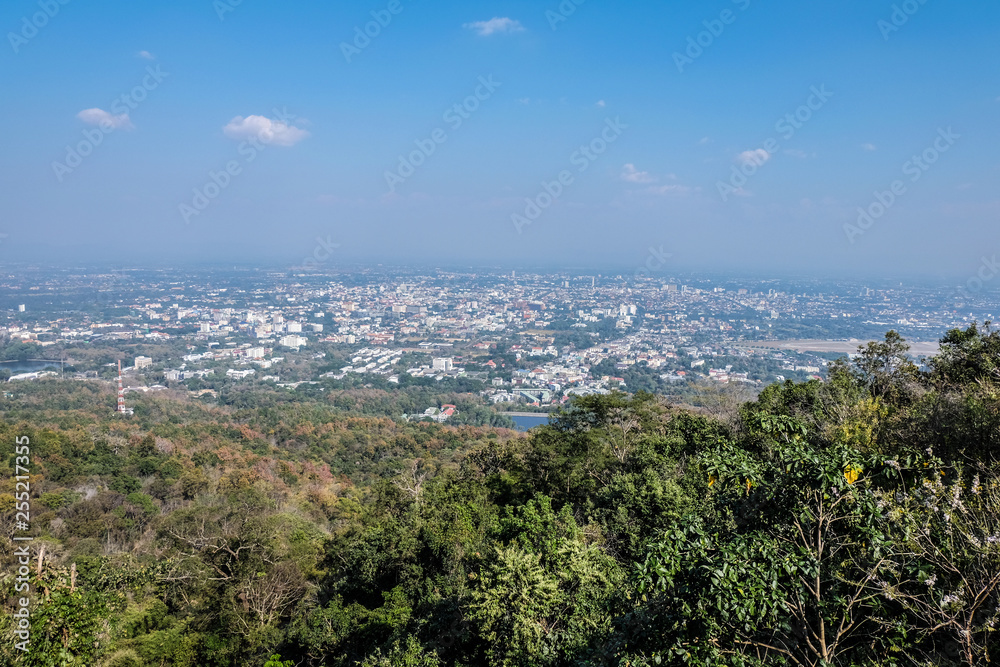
x=733, y=136
x=676, y=273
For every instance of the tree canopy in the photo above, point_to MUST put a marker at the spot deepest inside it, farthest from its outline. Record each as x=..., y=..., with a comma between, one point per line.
x=853, y=521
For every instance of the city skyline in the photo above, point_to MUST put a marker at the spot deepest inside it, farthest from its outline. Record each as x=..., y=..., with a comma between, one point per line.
x=561, y=334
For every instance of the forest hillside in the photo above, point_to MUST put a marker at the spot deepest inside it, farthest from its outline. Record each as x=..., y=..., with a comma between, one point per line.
x=849, y=522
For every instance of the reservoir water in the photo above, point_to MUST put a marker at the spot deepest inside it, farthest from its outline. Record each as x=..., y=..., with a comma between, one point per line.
x=524, y=422
x=16, y=367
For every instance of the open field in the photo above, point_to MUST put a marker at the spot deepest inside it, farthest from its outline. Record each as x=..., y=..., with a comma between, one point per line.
x=842, y=346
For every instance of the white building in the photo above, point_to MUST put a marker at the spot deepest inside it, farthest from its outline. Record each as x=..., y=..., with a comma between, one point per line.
x=292, y=341
x=143, y=362
x=32, y=376
x=443, y=364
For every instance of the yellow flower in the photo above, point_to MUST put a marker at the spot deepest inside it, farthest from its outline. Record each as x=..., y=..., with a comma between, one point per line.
x=851, y=474
x=711, y=481
x=749, y=485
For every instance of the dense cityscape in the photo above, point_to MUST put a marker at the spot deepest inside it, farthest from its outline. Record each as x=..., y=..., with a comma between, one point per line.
x=517, y=339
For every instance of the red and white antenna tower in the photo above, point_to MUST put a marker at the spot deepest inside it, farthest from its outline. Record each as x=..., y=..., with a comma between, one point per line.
x=121, y=390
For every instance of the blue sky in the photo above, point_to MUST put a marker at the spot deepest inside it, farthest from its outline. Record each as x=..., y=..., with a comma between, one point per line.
x=309, y=133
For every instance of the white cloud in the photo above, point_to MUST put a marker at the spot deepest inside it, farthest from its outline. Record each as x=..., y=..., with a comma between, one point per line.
x=795, y=152
x=103, y=118
x=267, y=131
x=601, y=103
x=495, y=24
x=669, y=189
x=704, y=140
x=633, y=175
x=524, y=100
x=868, y=147
x=757, y=157
x=146, y=55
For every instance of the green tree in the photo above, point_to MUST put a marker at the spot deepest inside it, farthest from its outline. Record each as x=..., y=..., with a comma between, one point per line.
x=409, y=654
x=943, y=563
x=784, y=573
x=546, y=597
x=884, y=368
